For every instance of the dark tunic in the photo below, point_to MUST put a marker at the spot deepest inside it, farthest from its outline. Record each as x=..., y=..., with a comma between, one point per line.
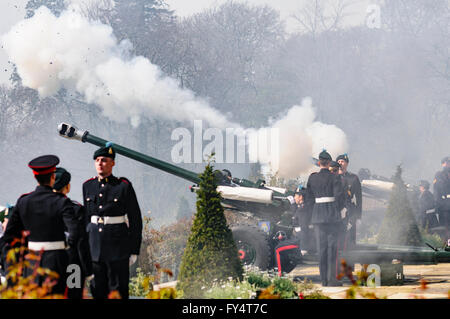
x=441, y=190
x=302, y=218
x=112, y=196
x=112, y=244
x=79, y=254
x=327, y=217
x=47, y=216
x=325, y=184
x=353, y=204
x=426, y=204
x=353, y=195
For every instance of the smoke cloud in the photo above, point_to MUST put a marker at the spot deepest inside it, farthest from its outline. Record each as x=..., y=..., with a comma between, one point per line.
x=71, y=52
x=300, y=137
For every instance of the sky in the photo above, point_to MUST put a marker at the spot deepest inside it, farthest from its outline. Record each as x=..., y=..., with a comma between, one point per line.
x=12, y=11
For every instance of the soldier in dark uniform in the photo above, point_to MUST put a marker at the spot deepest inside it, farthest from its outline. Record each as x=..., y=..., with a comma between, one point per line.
x=301, y=214
x=78, y=253
x=114, y=226
x=353, y=201
x=46, y=215
x=427, y=211
x=441, y=190
x=325, y=193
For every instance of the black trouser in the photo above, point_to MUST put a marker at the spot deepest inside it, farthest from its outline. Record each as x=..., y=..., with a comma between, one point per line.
x=57, y=261
x=110, y=276
x=328, y=238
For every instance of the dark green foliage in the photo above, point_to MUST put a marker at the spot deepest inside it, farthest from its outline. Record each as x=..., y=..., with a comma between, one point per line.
x=399, y=226
x=210, y=253
x=284, y=287
x=259, y=281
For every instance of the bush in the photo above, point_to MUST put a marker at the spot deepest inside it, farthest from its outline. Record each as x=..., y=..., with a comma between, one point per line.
x=399, y=225
x=164, y=246
x=142, y=285
x=284, y=287
x=26, y=287
x=210, y=252
x=258, y=280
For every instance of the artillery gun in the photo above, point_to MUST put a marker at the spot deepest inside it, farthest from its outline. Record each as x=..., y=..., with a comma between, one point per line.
x=266, y=210
x=264, y=207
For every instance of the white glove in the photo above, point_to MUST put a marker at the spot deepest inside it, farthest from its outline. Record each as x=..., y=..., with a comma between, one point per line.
x=133, y=259
x=343, y=212
x=291, y=199
x=297, y=229
x=349, y=226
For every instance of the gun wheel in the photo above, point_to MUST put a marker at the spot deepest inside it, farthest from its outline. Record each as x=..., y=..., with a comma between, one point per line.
x=253, y=246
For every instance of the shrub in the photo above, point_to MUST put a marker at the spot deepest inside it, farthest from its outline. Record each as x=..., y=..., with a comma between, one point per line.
x=399, y=225
x=258, y=280
x=164, y=246
x=142, y=285
x=26, y=287
x=210, y=251
x=284, y=287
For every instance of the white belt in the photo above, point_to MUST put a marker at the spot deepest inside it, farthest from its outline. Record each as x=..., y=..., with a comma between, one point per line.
x=430, y=211
x=108, y=219
x=320, y=200
x=445, y=196
x=46, y=245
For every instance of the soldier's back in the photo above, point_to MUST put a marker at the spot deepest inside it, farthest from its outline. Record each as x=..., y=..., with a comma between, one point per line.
x=325, y=190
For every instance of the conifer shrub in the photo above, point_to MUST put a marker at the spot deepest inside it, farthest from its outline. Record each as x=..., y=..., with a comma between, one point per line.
x=210, y=253
x=399, y=226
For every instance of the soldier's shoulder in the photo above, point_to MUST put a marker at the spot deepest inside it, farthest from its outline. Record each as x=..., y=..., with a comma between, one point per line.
x=76, y=203
x=23, y=196
x=312, y=176
x=125, y=180
x=354, y=176
x=438, y=177
x=88, y=181
x=26, y=194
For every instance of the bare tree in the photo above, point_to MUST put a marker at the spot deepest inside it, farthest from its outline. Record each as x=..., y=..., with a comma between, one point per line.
x=316, y=16
x=97, y=10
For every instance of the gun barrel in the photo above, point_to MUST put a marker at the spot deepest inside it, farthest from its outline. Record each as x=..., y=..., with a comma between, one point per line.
x=71, y=132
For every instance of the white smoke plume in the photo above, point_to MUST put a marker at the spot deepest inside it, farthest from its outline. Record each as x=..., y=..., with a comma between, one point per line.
x=298, y=138
x=79, y=55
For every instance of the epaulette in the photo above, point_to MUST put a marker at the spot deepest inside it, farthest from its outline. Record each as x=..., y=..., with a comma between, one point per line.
x=76, y=203
x=125, y=180
x=23, y=195
x=90, y=179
